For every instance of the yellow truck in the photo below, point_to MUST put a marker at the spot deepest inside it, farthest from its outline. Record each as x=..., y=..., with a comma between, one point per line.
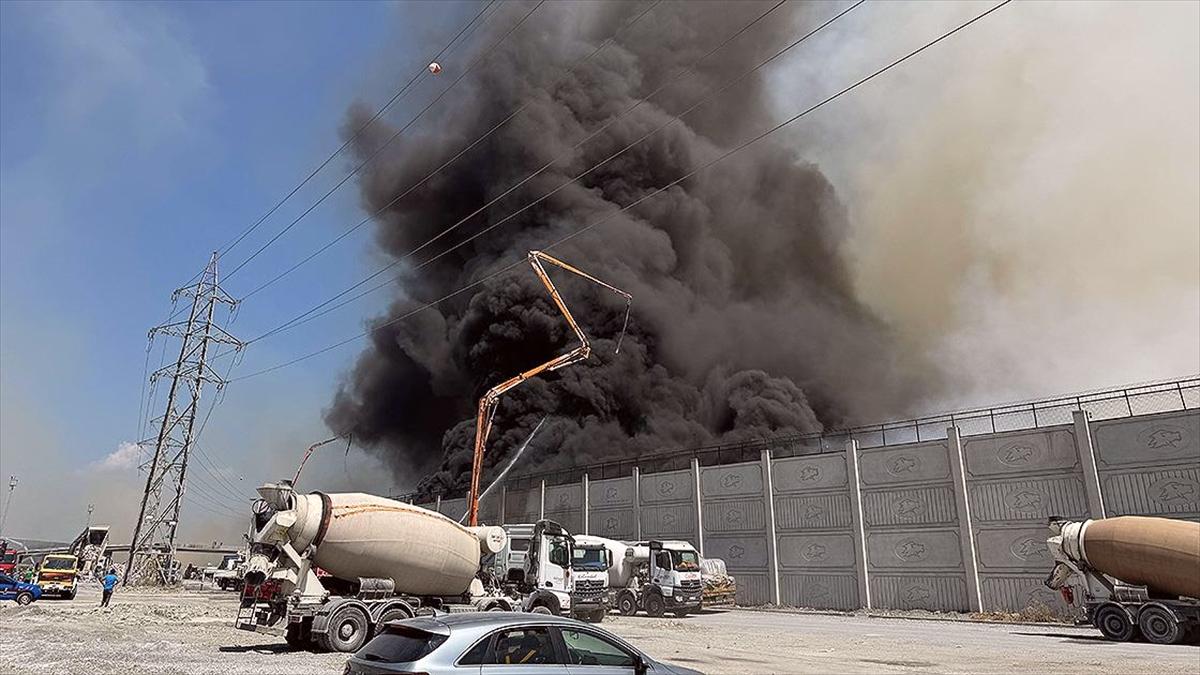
x=58, y=575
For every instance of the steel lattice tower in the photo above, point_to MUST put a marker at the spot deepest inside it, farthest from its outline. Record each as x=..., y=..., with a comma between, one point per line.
x=152, y=550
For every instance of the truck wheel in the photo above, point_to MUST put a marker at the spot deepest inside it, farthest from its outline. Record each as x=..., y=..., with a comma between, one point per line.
x=1113, y=621
x=598, y=616
x=347, y=630
x=627, y=604
x=73, y=593
x=681, y=613
x=655, y=605
x=25, y=598
x=1159, y=625
x=393, y=614
x=541, y=609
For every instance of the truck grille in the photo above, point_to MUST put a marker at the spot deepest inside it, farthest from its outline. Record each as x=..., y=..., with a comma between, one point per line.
x=690, y=586
x=588, y=588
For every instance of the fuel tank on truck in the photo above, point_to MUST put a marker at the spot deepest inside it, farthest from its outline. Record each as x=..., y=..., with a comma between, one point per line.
x=361, y=535
x=1162, y=554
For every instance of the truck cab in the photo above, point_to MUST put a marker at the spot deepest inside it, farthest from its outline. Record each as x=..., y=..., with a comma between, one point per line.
x=536, y=564
x=228, y=575
x=590, y=562
x=674, y=569
x=58, y=575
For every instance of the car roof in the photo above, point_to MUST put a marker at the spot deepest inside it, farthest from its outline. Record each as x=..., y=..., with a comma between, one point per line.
x=483, y=620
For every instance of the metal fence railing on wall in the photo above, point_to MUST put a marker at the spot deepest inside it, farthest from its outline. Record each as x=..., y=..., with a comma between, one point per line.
x=1145, y=399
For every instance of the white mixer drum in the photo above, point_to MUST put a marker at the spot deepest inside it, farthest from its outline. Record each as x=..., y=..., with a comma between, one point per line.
x=425, y=553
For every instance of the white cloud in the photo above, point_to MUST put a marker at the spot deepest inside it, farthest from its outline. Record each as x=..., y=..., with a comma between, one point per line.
x=126, y=456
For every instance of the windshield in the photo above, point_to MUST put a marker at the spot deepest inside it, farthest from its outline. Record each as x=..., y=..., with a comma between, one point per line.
x=59, y=564
x=8, y=556
x=590, y=559
x=229, y=563
x=685, y=561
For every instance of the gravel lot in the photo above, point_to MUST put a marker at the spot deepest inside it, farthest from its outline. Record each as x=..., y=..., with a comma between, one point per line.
x=146, y=631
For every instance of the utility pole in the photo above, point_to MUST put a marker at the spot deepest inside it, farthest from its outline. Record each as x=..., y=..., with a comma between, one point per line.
x=152, y=550
x=12, y=485
x=91, y=507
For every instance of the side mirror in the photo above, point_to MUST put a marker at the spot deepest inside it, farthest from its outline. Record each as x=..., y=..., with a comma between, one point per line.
x=639, y=665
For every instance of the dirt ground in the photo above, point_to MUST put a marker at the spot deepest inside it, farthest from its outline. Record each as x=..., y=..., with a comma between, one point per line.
x=192, y=631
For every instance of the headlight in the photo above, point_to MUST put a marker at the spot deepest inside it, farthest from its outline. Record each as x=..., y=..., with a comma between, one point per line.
x=668, y=591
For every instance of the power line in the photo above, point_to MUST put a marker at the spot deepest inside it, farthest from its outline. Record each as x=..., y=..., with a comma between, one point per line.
x=445, y=164
x=386, y=143
x=660, y=190
x=358, y=132
x=312, y=313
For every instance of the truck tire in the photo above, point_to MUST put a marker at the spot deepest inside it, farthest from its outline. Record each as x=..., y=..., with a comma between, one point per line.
x=24, y=598
x=393, y=614
x=542, y=609
x=681, y=612
x=598, y=616
x=1160, y=625
x=655, y=605
x=73, y=593
x=347, y=630
x=1113, y=621
x=627, y=604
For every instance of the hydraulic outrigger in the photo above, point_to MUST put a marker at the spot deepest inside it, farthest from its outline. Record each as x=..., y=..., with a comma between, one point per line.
x=487, y=404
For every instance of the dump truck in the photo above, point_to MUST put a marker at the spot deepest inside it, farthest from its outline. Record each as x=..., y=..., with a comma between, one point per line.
x=720, y=587
x=58, y=575
x=1133, y=576
x=386, y=559
x=654, y=576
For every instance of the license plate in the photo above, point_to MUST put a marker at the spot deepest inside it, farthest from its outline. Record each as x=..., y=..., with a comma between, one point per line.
x=246, y=614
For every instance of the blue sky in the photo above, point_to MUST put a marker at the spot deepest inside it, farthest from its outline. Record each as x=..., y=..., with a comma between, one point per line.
x=136, y=139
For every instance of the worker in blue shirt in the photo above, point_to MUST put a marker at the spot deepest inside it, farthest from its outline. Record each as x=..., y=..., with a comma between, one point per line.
x=109, y=581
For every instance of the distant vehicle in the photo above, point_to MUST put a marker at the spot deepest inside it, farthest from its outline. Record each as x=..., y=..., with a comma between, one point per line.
x=58, y=575
x=10, y=554
x=502, y=642
x=23, y=593
x=228, y=575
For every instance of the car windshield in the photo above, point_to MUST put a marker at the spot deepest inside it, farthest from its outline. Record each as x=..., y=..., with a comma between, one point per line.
x=685, y=561
x=589, y=559
x=8, y=556
x=59, y=564
x=393, y=646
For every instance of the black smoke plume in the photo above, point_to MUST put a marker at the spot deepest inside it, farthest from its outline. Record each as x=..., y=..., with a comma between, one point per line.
x=745, y=321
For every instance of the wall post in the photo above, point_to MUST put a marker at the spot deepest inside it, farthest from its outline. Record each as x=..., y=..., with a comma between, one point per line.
x=699, y=505
x=966, y=536
x=637, y=502
x=503, y=503
x=1087, y=462
x=772, y=541
x=857, y=528
x=437, y=503
x=587, y=501
x=542, y=502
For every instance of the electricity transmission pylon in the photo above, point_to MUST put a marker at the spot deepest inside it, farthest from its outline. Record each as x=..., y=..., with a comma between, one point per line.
x=152, y=550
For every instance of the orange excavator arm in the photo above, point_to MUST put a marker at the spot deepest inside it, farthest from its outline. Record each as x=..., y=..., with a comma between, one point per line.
x=489, y=401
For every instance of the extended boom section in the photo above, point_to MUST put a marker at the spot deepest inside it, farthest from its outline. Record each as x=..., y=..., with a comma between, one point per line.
x=489, y=401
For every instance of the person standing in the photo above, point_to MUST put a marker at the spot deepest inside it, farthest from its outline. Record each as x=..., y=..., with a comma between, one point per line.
x=110, y=582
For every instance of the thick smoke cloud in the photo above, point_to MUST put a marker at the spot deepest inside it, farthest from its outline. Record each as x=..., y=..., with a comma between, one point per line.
x=745, y=321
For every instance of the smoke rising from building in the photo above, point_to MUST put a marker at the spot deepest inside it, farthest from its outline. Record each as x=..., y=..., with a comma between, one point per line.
x=745, y=321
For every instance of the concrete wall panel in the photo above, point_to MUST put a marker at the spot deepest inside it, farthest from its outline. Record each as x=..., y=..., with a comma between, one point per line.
x=1013, y=593
x=564, y=497
x=819, y=591
x=522, y=506
x=812, y=513
x=941, y=592
x=906, y=464
x=454, y=508
x=613, y=524
x=753, y=589
x=803, y=474
x=736, y=515
x=1030, y=499
x=1172, y=492
x=914, y=550
x=1013, y=548
x=826, y=550
x=671, y=486
x=669, y=522
x=744, y=553
x=611, y=492
x=923, y=506
x=1017, y=452
x=732, y=480
x=1165, y=438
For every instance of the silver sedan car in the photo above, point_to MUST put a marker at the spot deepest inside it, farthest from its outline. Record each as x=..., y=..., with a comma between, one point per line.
x=502, y=643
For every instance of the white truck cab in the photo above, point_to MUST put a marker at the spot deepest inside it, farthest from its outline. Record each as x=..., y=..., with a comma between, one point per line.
x=590, y=561
x=536, y=563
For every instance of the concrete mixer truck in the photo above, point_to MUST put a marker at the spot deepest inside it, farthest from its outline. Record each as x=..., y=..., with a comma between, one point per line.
x=654, y=576
x=1132, y=575
x=385, y=560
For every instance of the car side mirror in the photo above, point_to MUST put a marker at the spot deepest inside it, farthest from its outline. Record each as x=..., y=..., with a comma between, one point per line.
x=639, y=665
